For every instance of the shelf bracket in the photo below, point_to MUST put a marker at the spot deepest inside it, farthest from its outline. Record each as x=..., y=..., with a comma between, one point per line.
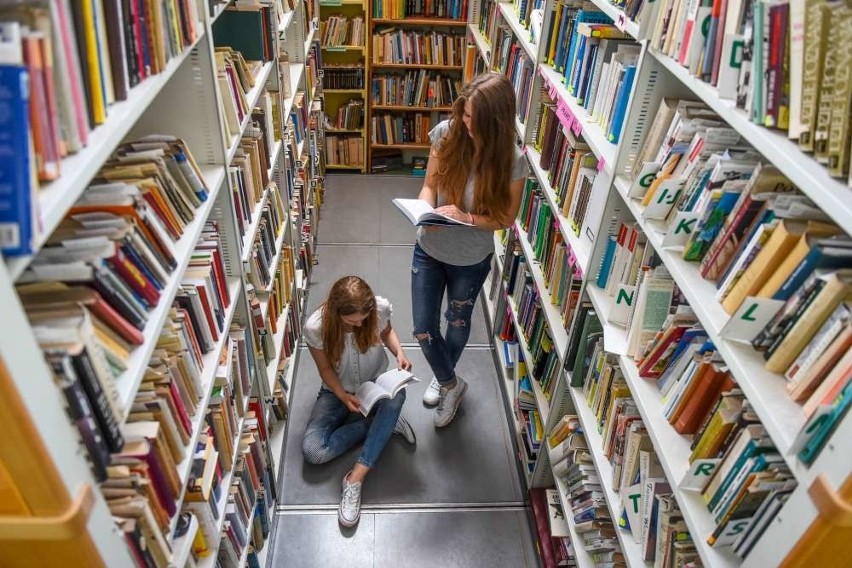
x=831, y=506
x=65, y=526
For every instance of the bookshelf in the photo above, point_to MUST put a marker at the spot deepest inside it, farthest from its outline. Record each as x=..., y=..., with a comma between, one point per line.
x=252, y=143
x=343, y=27
x=500, y=37
x=416, y=58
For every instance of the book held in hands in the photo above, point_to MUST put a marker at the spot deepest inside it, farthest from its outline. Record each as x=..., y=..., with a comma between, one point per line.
x=419, y=212
x=387, y=385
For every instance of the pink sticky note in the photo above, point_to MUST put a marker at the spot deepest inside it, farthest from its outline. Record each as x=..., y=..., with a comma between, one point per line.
x=601, y=163
x=578, y=128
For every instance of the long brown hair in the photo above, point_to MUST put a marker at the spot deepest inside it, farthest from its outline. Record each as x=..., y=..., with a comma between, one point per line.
x=348, y=296
x=488, y=152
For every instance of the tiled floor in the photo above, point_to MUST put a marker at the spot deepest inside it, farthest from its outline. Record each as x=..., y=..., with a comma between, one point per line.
x=453, y=500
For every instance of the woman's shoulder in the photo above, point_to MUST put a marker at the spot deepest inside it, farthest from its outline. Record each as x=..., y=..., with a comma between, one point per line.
x=312, y=330
x=519, y=167
x=383, y=307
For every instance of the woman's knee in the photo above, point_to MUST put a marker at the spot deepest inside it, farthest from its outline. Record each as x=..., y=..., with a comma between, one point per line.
x=313, y=449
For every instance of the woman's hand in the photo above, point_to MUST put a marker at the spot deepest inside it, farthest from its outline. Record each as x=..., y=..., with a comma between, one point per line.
x=351, y=401
x=402, y=362
x=454, y=213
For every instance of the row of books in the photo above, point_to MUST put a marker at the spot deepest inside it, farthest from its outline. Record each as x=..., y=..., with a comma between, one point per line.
x=337, y=30
x=82, y=57
x=410, y=47
x=559, y=269
x=350, y=116
x=755, y=236
x=417, y=88
x=531, y=320
x=236, y=78
x=251, y=29
x=776, y=60
x=511, y=59
x=387, y=128
x=343, y=76
x=551, y=527
x=400, y=9
x=344, y=150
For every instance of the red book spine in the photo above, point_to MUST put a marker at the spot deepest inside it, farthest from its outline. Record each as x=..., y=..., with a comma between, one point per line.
x=134, y=278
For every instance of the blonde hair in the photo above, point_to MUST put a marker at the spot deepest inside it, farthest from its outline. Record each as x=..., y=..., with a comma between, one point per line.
x=348, y=296
x=488, y=151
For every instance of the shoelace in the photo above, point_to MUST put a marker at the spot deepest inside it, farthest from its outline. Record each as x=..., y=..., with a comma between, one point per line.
x=350, y=495
x=442, y=398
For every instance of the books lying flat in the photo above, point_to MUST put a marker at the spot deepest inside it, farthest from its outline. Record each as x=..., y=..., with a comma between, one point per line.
x=419, y=212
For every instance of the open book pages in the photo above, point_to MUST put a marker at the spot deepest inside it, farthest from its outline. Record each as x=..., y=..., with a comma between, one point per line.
x=419, y=212
x=387, y=385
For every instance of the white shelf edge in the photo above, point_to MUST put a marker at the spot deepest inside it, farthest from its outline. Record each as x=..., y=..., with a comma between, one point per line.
x=288, y=19
x=248, y=238
x=279, y=246
x=631, y=550
x=208, y=377
x=273, y=158
x=618, y=17
x=615, y=337
x=128, y=382
x=582, y=558
x=673, y=451
x=55, y=198
x=551, y=312
x=481, y=42
x=782, y=417
x=252, y=97
x=521, y=33
x=831, y=195
x=277, y=343
x=592, y=133
x=295, y=76
x=581, y=251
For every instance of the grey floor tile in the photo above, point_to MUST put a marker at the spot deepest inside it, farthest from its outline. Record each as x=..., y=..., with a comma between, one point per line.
x=355, y=228
x=318, y=541
x=457, y=539
x=335, y=262
x=470, y=461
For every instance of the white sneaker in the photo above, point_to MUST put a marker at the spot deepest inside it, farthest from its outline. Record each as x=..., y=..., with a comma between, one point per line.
x=350, y=503
x=404, y=429
x=433, y=393
x=449, y=402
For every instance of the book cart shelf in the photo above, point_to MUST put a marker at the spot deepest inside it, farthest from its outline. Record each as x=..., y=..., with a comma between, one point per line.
x=265, y=238
x=524, y=308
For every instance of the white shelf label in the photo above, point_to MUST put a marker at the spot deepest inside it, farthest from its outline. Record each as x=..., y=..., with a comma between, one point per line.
x=751, y=317
x=681, y=229
x=700, y=472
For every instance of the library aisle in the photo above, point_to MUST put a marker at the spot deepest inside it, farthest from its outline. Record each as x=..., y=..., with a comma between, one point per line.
x=455, y=499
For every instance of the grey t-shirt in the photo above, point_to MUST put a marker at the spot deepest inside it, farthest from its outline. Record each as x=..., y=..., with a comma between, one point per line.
x=462, y=246
x=354, y=367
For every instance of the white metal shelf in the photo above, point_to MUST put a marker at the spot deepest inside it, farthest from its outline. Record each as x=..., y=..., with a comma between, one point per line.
x=252, y=97
x=182, y=547
x=581, y=250
x=251, y=230
x=55, y=198
x=631, y=550
x=507, y=9
x=615, y=337
x=582, y=558
x=273, y=158
x=551, y=312
x=592, y=133
x=482, y=44
x=831, y=195
x=619, y=18
x=673, y=451
x=277, y=343
x=208, y=378
x=128, y=382
x=766, y=391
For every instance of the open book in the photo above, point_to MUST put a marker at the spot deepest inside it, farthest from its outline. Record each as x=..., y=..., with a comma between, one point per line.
x=386, y=386
x=419, y=212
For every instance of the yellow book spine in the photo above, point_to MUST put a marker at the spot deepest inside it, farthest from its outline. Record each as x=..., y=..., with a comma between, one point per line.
x=96, y=85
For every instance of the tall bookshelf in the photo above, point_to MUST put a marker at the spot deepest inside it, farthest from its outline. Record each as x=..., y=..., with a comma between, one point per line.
x=345, y=71
x=562, y=256
x=250, y=117
x=416, y=60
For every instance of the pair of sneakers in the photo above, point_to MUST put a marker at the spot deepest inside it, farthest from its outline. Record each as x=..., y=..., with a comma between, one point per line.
x=448, y=400
x=349, y=511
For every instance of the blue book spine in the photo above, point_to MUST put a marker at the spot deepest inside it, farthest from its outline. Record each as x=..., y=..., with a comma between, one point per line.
x=576, y=64
x=16, y=173
x=606, y=263
x=588, y=18
x=622, y=100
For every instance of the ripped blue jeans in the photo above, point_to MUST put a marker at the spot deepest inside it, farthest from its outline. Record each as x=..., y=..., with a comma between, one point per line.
x=429, y=279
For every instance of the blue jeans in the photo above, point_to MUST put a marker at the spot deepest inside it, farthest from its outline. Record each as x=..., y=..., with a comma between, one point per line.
x=329, y=435
x=429, y=279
